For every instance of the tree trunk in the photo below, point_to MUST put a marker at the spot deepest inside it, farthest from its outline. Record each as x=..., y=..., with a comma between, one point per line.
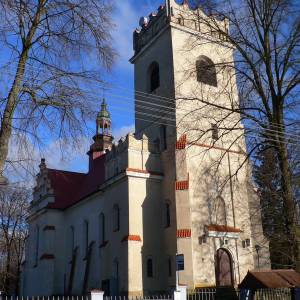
x=6, y=122
x=287, y=190
x=12, y=100
x=290, y=208
x=7, y=272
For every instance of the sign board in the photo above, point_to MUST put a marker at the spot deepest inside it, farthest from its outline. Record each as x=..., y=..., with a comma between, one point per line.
x=180, y=262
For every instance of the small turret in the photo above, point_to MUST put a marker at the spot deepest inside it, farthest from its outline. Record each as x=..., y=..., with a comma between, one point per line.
x=103, y=122
x=103, y=138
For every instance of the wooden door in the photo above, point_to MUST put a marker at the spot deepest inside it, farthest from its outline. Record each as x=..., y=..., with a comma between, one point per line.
x=224, y=273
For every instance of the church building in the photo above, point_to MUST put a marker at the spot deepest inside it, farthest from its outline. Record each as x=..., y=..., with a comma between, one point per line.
x=177, y=186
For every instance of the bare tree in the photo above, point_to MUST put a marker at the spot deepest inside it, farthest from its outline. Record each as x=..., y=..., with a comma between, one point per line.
x=265, y=38
x=53, y=51
x=14, y=204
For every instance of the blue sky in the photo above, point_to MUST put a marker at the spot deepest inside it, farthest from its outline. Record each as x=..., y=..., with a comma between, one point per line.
x=126, y=19
x=120, y=97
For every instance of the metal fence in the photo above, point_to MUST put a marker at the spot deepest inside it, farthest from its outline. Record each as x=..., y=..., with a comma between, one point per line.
x=232, y=294
x=156, y=297
x=199, y=294
x=88, y=297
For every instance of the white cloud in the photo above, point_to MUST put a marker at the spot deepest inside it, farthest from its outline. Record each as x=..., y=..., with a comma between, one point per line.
x=25, y=157
x=125, y=19
x=123, y=131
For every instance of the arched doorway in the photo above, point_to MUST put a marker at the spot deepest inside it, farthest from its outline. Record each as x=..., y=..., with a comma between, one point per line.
x=224, y=268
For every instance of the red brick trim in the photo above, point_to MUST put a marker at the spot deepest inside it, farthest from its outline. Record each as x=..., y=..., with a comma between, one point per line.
x=222, y=228
x=135, y=238
x=47, y=256
x=103, y=244
x=182, y=185
x=181, y=143
x=49, y=227
x=217, y=148
x=144, y=171
x=184, y=233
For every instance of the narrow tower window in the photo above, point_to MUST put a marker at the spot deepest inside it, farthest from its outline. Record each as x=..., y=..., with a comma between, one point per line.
x=154, y=76
x=163, y=137
x=169, y=266
x=86, y=236
x=116, y=218
x=102, y=228
x=37, y=245
x=167, y=215
x=72, y=239
x=215, y=132
x=206, y=71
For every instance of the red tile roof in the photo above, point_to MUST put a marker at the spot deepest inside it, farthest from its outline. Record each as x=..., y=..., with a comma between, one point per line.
x=222, y=228
x=271, y=279
x=71, y=187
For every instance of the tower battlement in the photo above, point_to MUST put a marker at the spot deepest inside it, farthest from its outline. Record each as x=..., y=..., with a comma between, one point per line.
x=149, y=27
x=183, y=15
x=134, y=153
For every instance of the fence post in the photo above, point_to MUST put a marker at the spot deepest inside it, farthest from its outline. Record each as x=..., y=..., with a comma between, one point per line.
x=180, y=293
x=97, y=295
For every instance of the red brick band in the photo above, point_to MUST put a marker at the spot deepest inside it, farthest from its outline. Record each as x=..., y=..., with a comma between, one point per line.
x=184, y=233
x=135, y=238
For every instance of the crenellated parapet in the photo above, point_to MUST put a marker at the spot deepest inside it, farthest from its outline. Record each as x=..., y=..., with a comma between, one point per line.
x=132, y=152
x=149, y=27
x=181, y=14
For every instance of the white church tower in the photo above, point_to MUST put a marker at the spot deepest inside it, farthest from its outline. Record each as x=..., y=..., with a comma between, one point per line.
x=181, y=185
x=185, y=89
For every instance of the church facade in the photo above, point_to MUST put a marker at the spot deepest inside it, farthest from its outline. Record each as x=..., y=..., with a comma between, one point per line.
x=178, y=186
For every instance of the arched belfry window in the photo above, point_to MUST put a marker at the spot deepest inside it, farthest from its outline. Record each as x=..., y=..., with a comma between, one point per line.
x=220, y=217
x=154, y=77
x=206, y=71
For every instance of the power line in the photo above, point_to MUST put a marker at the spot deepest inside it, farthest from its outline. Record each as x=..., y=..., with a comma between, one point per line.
x=151, y=96
x=270, y=131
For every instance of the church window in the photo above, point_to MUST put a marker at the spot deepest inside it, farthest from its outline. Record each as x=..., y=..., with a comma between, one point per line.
x=116, y=218
x=206, y=71
x=220, y=212
x=170, y=266
x=72, y=239
x=37, y=245
x=116, y=268
x=154, y=77
x=149, y=267
x=102, y=229
x=86, y=237
x=215, y=132
x=163, y=137
x=167, y=215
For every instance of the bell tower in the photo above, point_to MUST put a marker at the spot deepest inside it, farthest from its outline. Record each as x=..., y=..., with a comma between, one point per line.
x=185, y=85
x=103, y=137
